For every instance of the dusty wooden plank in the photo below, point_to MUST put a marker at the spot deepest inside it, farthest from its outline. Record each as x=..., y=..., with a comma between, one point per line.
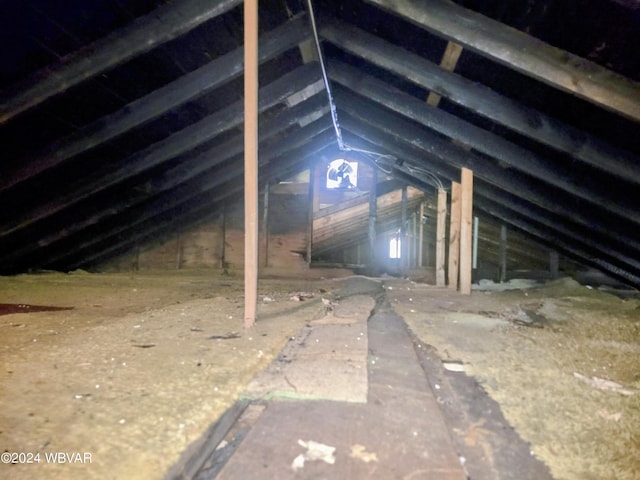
x=454, y=236
x=192, y=460
x=440, y=236
x=466, y=240
x=522, y=52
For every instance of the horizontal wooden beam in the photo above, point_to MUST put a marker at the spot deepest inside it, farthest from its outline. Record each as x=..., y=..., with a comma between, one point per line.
x=203, y=172
x=161, y=25
x=484, y=101
x=170, y=147
x=481, y=140
x=160, y=101
x=512, y=188
x=622, y=265
x=522, y=52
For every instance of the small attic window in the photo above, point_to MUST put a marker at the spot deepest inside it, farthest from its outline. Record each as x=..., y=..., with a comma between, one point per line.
x=395, y=247
x=342, y=174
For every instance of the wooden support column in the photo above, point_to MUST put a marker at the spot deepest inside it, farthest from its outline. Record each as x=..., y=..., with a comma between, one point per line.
x=373, y=215
x=421, y=235
x=223, y=238
x=250, y=162
x=313, y=205
x=554, y=263
x=466, y=230
x=414, y=240
x=441, y=236
x=265, y=225
x=454, y=236
x=178, y=250
x=502, y=260
x=403, y=233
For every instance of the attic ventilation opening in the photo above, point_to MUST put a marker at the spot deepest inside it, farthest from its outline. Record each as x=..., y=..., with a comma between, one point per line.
x=342, y=174
x=395, y=247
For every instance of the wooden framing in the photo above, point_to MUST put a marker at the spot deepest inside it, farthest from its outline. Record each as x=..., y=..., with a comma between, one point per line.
x=250, y=161
x=522, y=52
x=441, y=236
x=466, y=230
x=454, y=236
x=502, y=254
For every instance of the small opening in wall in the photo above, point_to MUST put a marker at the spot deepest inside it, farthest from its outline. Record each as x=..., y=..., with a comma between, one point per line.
x=342, y=174
x=395, y=247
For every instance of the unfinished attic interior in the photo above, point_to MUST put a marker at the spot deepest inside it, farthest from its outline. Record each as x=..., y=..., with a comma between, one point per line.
x=387, y=239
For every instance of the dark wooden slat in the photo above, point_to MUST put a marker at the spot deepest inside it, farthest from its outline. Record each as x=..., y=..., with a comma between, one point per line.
x=172, y=146
x=149, y=222
x=484, y=101
x=576, y=249
x=382, y=135
x=494, y=176
x=200, y=166
x=522, y=52
x=186, y=88
x=483, y=141
x=145, y=33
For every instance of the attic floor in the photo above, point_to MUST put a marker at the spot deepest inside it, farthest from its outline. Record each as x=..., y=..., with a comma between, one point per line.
x=143, y=364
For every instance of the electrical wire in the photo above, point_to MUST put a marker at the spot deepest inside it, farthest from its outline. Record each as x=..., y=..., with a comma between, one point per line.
x=334, y=115
x=334, y=112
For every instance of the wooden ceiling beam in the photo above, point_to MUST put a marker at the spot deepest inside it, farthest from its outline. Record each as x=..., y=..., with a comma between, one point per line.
x=279, y=160
x=484, y=101
x=522, y=52
x=483, y=141
x=168, y=148
x=143, y=34
x=488, y=176
x=617, y=264
x=184, y=89
x=178, y=181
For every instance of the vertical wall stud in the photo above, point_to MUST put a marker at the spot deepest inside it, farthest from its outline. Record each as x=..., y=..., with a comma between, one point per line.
x=441, y=233
x=454, y=236
x=250, y=161
x=466, y=231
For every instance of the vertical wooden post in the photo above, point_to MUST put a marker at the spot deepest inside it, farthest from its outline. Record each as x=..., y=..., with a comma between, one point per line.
x=223, y=238
x=373, y=215
x=554, y=263
x=250, y=161
x=421, y=235
x=313, y=193
x=265, y=224
x=466, y=231
x=403, y=234
x=441, y=232
x=474, y=252
x=454, y=236
x=502, y=260
x=317, y=176
x=179, y=250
